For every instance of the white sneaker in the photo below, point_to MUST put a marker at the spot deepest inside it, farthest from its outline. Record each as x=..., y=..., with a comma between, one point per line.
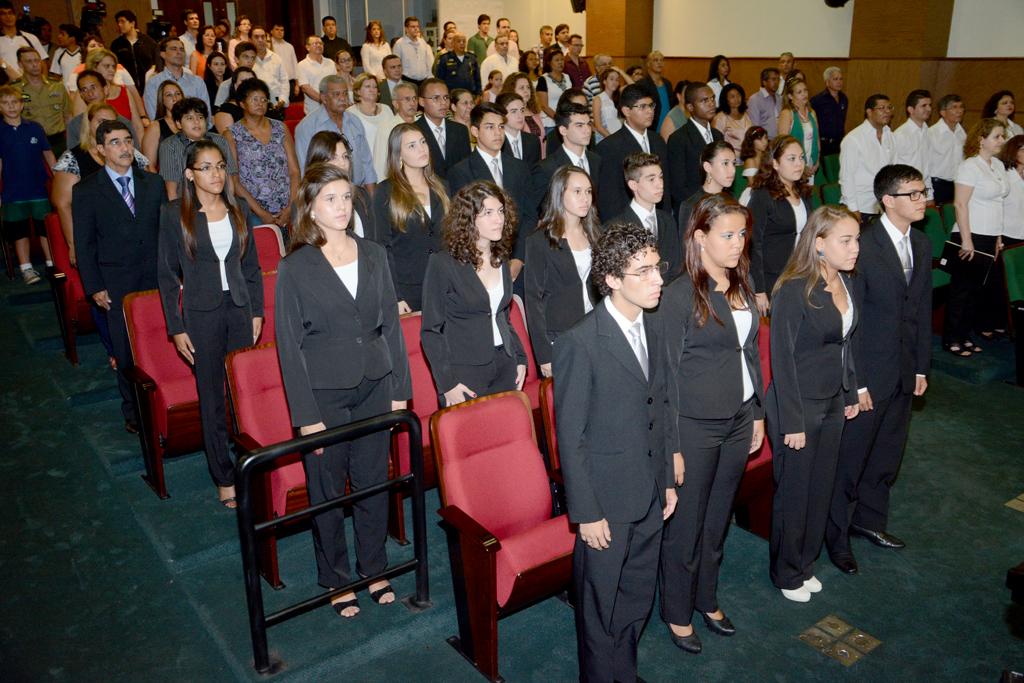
x=800, y=594
x=30, y=276
x=813, y=585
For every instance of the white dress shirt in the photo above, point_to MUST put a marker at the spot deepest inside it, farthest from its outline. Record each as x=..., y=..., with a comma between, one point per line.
x=515, y=139
x=861, y=157
x=417, y=57
x=913, y=148
x=507, y=65
x=990, y=187
x=489, y=161
x=648, y=217
x=310, y=72
x=270, y=70
x=946, y=149
x=221, y=233
x=373, y=57
x=1013, y=206
x=625, y=325
x=705, y=131
x=641, y=138
x=285, y=50
x=580, y=161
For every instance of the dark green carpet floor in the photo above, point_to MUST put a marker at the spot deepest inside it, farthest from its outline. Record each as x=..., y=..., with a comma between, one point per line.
x=104, y=582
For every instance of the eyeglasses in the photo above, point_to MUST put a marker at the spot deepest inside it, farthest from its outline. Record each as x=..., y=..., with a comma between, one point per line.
x=915, y=195
x=257, y=100
x=643, y=107
x=206, y=168
x=647, y=272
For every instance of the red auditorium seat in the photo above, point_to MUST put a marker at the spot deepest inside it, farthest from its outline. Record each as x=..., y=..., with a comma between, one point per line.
x=269, y=292
x=168, y=403
x=506, y=550
x=547, y=409
x=532, y=385
x=295, y=111
x=269, y=246
x=753, y=504
x=292, y=125
x=73, y=306
x=260, y=411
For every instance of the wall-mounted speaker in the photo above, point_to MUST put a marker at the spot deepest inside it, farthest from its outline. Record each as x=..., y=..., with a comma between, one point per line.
x=578, y=5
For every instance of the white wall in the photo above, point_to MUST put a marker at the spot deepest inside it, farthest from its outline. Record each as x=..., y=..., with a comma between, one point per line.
x=527, y=16
x=987, y=28
x=754, y=28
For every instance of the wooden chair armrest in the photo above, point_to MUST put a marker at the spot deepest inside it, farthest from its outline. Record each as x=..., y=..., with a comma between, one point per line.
x=245, y=442
x=469, y=529
x=137, y=375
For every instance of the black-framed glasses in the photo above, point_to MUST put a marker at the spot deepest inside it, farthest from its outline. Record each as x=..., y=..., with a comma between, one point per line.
x=915, y=195
x=647, y=272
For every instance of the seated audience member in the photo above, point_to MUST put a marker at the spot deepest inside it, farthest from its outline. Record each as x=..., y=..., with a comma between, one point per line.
x=1001, y=106
x=333, y=115
x=329, y=147
x=686, y=144
x=550, y=87
x=559, y=290
x=488, y=162
x=646, y=183
x=637, y=135
x=606, y=105
x=780, y=204
x=406, y=106
x=447, y=140
x=574, y=127
x=763, y=106
x=458, y=68
x=230, y=111
x=831, y=105
x=677, y=116
x=409, y=208
x=799, y=120
x=946, y=138
x=718, y=170
x=459, y=107
x=657, y=87
x=523, y=145
x=191, y=119
x=863, y=153
x=467, y=334
x=732, y=119
x=167, y=96
x=265, y=154
x=913, y=147
x=718, y=76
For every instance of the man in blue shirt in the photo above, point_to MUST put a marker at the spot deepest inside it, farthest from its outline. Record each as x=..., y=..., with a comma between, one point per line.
x=172, y=50
x=331, y=116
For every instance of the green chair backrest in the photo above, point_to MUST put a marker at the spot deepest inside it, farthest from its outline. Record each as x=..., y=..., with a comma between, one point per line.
x=1013, y=265
x=830, y=164
x=831, y=194
x=949, y=216
x=819, y=176
x=937, y=232
x=739, y=184
x=816, y=196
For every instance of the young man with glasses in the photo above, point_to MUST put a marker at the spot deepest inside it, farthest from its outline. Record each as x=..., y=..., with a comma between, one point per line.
x=863, y=153
x=575, y=65
x=448, y=140
x=891, y=349
x=192, y=117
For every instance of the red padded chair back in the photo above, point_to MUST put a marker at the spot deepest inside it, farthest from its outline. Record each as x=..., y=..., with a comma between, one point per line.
x=269, y=291
x=152, y=350
x=292, y=125
x=295, y=111
x=532, y=385
x=489, y=464
x=547, y=405
x=424, y=395
x=764, y=351
x=62, y=259
x=269, y=246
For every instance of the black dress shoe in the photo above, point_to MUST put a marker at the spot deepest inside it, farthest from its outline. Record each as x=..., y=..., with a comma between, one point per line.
x=845, y=563
x=690, y=643
x=879, y=538
x=131, y=426
x=722, y=627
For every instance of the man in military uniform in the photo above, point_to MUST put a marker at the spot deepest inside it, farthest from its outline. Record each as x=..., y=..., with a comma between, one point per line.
x=458, y=68
x=46, y=100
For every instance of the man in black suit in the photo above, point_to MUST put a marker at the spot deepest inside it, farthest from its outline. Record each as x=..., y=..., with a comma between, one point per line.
x=646, y=183
x=116, y=214
x=637, y=109
x=686, y=144
x=573, y=122
x=892, y=354
x=616, y=438
x=520, y=143
x=448, y=140
x=490, y=162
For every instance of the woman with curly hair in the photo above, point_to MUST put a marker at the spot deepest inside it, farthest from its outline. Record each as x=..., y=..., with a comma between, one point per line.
x=467, y=335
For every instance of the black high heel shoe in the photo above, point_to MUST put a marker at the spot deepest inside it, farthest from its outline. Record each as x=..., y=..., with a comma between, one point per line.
x=722, y=627
x=690, y=643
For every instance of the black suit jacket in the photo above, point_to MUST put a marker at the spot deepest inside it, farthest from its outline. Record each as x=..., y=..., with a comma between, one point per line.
x=530, y=146
x=686, y=210
x=328, y=340
x=615, y=196
x=773, y=238
x=554, y=292
x=893, y=342
x=408, y=251
x=515, y=181
x=669, y=240
x=457, y=319
x=811, y=358
x=684, y=150
x=652, y=91
x=543, y=172
x=456, y=144
x=616, y=431
x=363, y=205
x=117, y=251
x=706, y=378
x=196, y=279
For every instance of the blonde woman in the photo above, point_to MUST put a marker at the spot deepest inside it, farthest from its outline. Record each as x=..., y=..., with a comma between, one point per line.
x=121, y=97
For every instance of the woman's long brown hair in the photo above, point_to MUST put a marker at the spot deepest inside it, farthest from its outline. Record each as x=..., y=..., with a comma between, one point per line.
x=190, y=205
x=404, y=201
x=739, y=293
x=805, y=262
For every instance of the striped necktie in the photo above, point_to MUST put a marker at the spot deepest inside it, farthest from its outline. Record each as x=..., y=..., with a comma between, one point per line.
x=126, y=193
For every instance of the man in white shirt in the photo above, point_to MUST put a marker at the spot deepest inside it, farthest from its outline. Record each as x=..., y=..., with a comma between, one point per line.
x=245, y=55
x=863, y=153
x=68, y=56
x=406, y=104
x=283, y=49
x=786, y=61
x=501, y=60
x=417, y=57
x=269, y=68
x=11, y=40
x=946, y=147
x=190, y=38
x=311, y=71
x=504, y=28
x=913, y=147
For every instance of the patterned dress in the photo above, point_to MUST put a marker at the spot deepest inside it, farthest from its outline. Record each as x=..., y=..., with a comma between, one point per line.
x=263, y=169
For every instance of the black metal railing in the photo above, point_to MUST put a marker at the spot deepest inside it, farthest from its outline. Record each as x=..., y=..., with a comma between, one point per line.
x=249, y=529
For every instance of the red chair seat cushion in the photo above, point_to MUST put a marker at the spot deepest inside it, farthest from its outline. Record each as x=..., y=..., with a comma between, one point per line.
x=171, y=392
x=546, y=541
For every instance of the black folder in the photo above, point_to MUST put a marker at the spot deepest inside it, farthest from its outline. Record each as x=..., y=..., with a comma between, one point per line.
x=977, y=268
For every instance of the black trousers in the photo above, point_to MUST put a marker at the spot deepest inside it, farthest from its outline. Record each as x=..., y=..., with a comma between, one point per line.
x=363, y=461
x=122, y=353
x=614, y=593
x=214, y=335
x=942, y=190
x=974, y=304
x=715, y=454
x=803, y=491
x=493, y=377
x=870, y=454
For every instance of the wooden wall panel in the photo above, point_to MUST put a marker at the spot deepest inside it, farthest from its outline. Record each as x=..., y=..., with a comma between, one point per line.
x=616, y=27
x=908, y=28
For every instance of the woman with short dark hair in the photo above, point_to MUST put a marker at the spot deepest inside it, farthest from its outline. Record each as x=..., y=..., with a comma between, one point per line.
x=732, y=118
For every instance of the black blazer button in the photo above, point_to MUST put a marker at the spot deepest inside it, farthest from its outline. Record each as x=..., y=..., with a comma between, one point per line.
x=650, y=400
x=650, y=426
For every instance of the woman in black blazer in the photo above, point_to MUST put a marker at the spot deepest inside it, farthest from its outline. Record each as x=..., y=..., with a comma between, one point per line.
x=409, y=208
x=780, y=204
x=558, y=287
x=329, y=147
x=208, y=257
x=342, y=359
x=813, y=387
x=715, y=387
x=467, y=335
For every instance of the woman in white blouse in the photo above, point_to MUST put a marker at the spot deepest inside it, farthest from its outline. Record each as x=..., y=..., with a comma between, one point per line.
x=718, y=74
x=550, y=87
x=375, y=49
x=980, y=187
x=606, y=105
x=367, y=109
x=1012, y=157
